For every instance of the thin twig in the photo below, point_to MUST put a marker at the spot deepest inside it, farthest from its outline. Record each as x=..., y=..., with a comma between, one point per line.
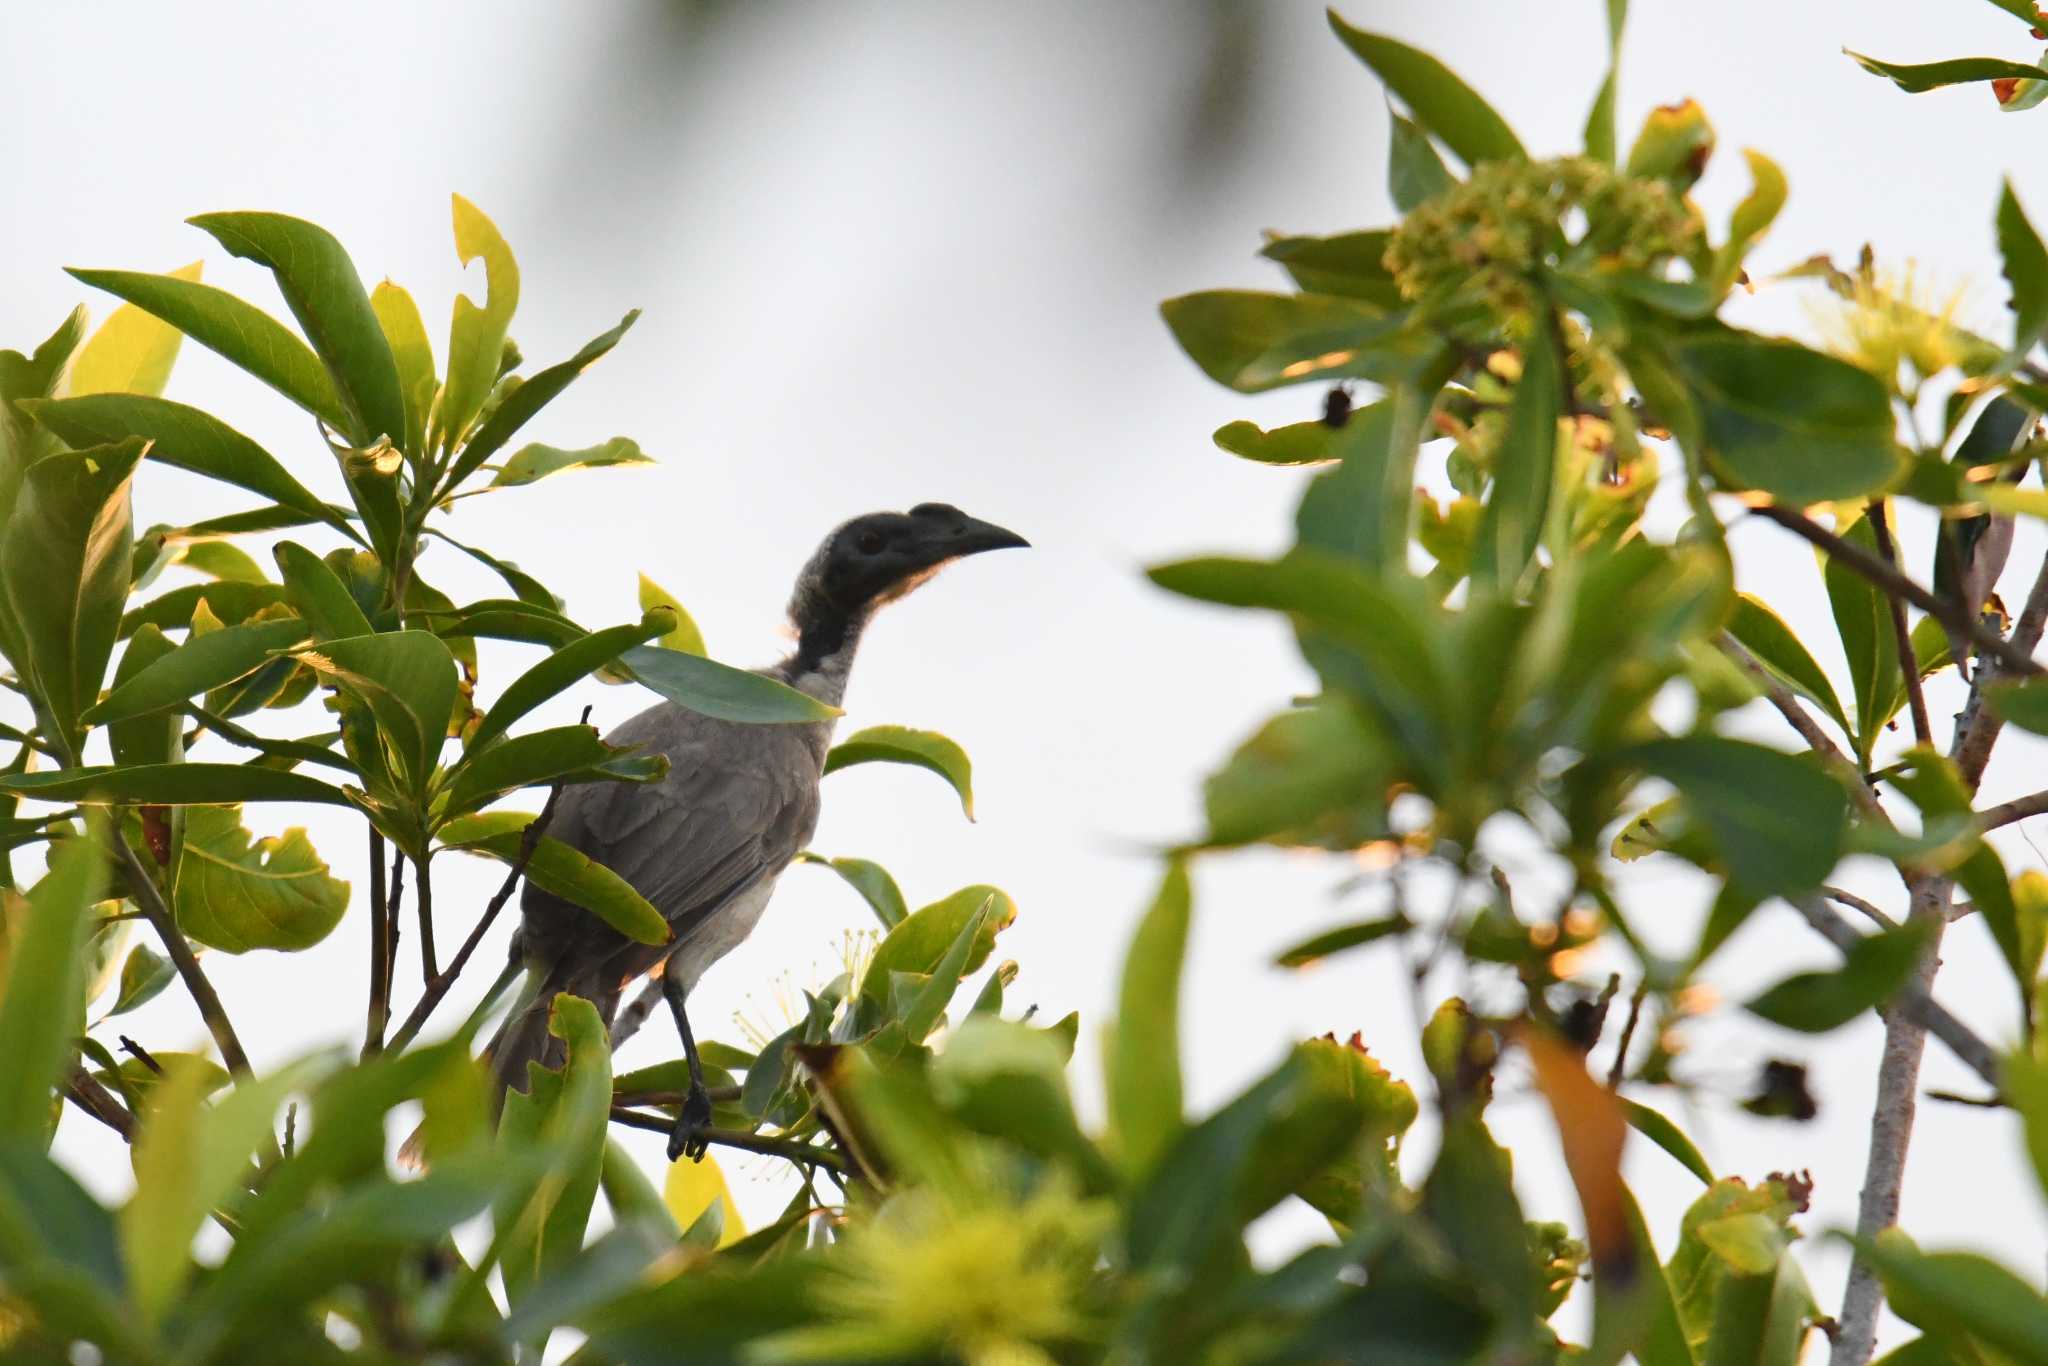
x=1818, y=740
x=394, y=914
x=1909, y=665
x=2018, y=809
x=85, y=1091
x=425, y=896
x=140, y=1054
x=1913, y=1000
x=1978, y=1102
x=1628, y=1034
x=1953, y=614
x=1857, y=903
x=1981, y=724
x=438, y=987
x=805, y=1154
x=143, y=888
x=380, y=952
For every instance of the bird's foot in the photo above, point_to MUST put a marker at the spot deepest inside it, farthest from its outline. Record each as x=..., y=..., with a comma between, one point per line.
x=691, y=1137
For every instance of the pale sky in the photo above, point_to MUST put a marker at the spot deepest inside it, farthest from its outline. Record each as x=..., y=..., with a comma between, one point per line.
x=891, y=254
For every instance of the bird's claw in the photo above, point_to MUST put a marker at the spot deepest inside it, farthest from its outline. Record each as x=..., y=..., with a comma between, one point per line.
x=691, y=1136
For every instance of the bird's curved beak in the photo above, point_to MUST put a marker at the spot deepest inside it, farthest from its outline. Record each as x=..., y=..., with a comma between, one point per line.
x=974, y=536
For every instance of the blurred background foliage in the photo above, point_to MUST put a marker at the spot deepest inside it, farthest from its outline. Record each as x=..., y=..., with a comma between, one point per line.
x=1525, y=649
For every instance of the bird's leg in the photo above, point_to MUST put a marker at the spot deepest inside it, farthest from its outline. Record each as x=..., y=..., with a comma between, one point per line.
x=694, y=1120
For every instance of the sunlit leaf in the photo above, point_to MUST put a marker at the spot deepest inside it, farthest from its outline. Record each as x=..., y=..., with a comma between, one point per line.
x=234, y=892
x=561, y=870
x=132, y=352
x=684, y=636
x=531, y=463
x=476, y=335
x=902, y=745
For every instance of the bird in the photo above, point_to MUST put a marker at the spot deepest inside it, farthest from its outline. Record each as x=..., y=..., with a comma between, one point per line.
x=705, y=843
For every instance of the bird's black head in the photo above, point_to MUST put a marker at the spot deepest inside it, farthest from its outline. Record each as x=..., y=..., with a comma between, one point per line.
x=876, y=559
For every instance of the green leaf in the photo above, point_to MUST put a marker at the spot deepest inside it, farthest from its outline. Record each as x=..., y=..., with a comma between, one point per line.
x=524, y=586
x=1297, y=443
x=1009, y=1080
x=1415, y=173
x=1752, y=217
x=186, y=439
x=319, y=594
x=684, y=636
x=1918, y=78
x=721, y=691
x=1512, y=526
x=529, y=398
x=561, y=870
x=564, y=668
x=413, y=354
x=561, y=754
x=1363, y=508
x=928, y=1005
x=919, y=943
x=1872, y=972
x=203, y=661
x=1318, y=947
x=1142, y=1065
x=1962, y=1292
x=476, y=335
x=1668, y=1136
x=2025, y=269
x=188, y=1159
x=1442, y=103
x=326, y=295
x=1798, y=424
x=221, y=560
x=873, y=883
x=902, y=745
x=408, y=680
x=233, y=892
x=226, y=601
x=565, y=1112
x=535, y=462
x=1600, y=119
x=172, y=785
x=71, y=527
x=1776, y=820
x=1675, y=142
x=1308, y=771
x=1253, y=342
x=132, y=352
x=1765, y=635
x=146, y=739
x=1350, y=264
x=1863, y=621
x=144, y=975
x=242, y=333
x=42, y=1004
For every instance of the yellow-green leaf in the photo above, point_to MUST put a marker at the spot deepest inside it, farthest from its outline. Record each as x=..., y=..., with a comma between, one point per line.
x=694, y=1187
x=234, y=892
x=133, y=351
x=685, y=637
x=476, y=335
x=903, y=745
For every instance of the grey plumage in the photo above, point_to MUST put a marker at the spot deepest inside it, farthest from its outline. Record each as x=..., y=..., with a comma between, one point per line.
x=705, y=844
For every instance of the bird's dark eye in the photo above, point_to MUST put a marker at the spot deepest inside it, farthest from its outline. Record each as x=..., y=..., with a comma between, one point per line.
x=870, y=542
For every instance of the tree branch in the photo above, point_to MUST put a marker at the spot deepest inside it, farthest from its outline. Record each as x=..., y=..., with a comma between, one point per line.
x=82, y=1090
x=1909, y=665
x=438, y=986
x=143, y=888
x=1957, y=617
x=1857, y=903
x=379, y=1010
x=2018, y=809
x=1818, y=740
x=425, y=896
x=804, y=1154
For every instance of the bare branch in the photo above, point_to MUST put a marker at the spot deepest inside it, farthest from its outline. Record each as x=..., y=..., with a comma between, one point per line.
x=1857, y=903
x=438, y=986
x=805, y=1154
x=143, y=888
x=1957, y=617
x=2018, y=809
x=379, y=1009
x=84, y=1091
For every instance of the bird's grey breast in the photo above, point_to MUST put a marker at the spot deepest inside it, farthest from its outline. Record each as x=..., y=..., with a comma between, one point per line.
x=737, y=805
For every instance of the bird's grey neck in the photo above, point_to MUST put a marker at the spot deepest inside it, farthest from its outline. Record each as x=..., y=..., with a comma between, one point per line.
x=826, y=643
